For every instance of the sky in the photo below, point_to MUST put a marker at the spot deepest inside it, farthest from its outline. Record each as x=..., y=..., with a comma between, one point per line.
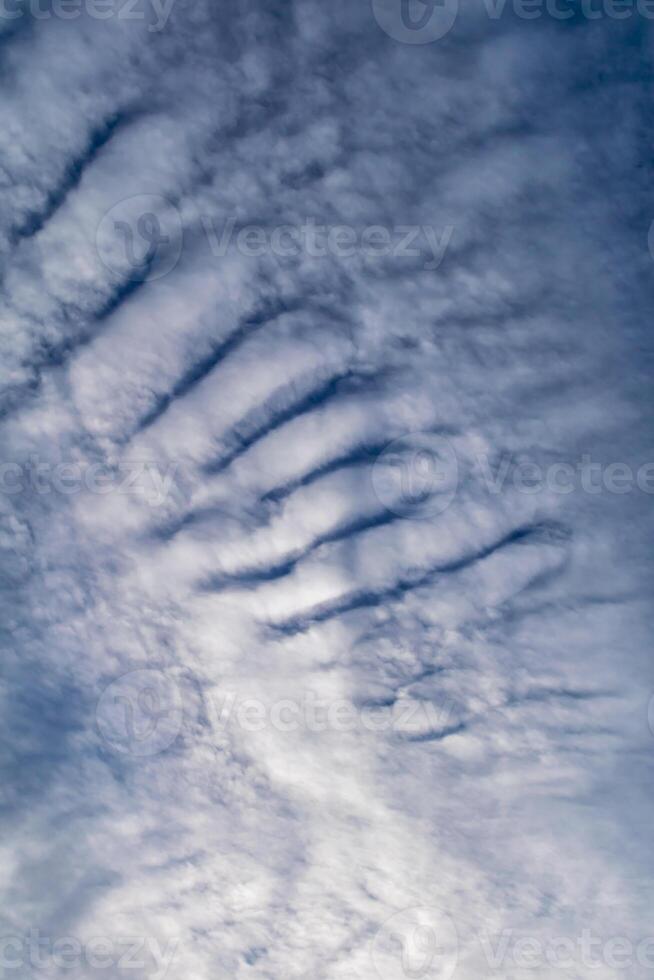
x=326, y=474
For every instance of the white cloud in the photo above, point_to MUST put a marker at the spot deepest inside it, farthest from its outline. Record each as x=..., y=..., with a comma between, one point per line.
x=259, y=391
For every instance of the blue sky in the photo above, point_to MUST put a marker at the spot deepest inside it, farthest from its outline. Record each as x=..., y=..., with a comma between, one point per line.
x=325, y=499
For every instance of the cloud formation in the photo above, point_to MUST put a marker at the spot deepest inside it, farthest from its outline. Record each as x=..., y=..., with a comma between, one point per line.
x=223, y=483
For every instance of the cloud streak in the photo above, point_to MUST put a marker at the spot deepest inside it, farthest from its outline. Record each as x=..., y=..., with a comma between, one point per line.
x=302, y=543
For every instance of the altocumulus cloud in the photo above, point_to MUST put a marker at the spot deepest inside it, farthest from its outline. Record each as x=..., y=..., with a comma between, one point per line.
x=311, y=334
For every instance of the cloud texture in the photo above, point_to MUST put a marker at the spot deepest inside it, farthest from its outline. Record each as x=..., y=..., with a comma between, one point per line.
x=224, y=412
